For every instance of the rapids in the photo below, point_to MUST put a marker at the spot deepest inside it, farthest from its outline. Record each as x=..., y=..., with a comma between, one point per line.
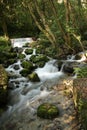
x=26, y=92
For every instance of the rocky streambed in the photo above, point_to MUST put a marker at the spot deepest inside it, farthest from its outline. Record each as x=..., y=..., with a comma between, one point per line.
x=34, y=79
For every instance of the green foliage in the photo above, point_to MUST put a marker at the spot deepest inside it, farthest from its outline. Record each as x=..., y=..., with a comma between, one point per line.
x=81, y=72
x=47, y=111
x=5, y=44
x=82, y=111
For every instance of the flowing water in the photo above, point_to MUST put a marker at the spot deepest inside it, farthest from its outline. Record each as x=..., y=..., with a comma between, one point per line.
x=26, y=92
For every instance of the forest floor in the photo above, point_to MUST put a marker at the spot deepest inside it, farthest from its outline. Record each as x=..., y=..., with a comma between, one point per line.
x=27, y=118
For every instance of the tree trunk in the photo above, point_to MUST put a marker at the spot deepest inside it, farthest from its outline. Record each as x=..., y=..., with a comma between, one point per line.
x=46, y=26
x=59, y=23
x=66, y=3
x=4, y=27
x=38, y=24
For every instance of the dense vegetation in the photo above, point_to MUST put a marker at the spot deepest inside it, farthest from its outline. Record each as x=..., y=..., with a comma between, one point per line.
x=63, y=23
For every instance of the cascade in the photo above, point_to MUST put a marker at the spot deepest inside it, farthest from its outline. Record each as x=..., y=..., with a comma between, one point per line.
x=26, y=92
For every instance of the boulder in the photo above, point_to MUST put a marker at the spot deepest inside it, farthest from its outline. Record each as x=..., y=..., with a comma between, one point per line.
x=78, y=56
x=29, y=51
x=60, y=63
x=68, y=68
x=21, y=56
x=39, y=60
x=40, y=64
x=16, y=67
x=47, y=111
x=25, y=72
x=27, y=65
x=34, y=77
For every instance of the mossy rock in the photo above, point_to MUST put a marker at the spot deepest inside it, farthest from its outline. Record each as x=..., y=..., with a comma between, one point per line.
x=25, y=72
x=21, y=56
x=28, y=51
x=38, y=58
x=27, y=65
x=11, y=55
x=9, y=62
x=34, y=77
x=16, y=67
x=78, y=56
x=47, y=111
x=38, y=51
x=26, y=44
x=32, y=58
x=40, y=64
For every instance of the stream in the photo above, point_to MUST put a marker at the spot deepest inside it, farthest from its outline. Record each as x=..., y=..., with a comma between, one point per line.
x=26, y=92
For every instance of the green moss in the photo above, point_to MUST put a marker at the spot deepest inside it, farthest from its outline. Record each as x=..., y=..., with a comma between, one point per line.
x=34, y=77
x=47, y=111
x=29, y=51
x=40, y=64
x=25, y=72
x=27, y=65
x=38, y=58
x=21, y=56
x=81, y=72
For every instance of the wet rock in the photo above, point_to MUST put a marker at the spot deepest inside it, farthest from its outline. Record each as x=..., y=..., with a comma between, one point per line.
x=68, y=68
x=20, y=50
x=60, y=63
x=25, y=72
x=16, y=67
x=29, y=51
x=11, y=86
x=34, y=77
x=38, y=58
x=25, y=90
x=21, y=56
x=10, y=61
x=79, y=56
x=27, y=65
x=40, y=64
x=47, y=111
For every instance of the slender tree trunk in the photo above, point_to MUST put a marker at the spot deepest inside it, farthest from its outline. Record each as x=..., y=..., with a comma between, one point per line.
x=43, y=19
x=66, y=3
x=59, y=23
x=4, y=27
x=38, y=24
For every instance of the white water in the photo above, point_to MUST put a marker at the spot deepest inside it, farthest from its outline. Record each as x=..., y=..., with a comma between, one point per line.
x=28, y=92
x=19, y=42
